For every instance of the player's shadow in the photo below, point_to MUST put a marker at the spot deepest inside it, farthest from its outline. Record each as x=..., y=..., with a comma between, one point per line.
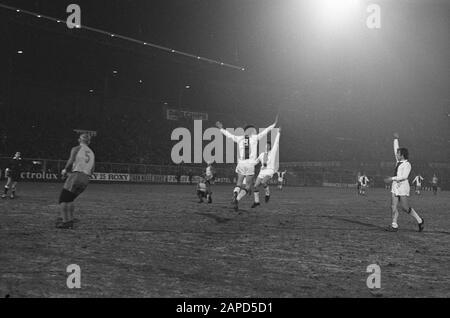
x=216, y=218
x=354, y=222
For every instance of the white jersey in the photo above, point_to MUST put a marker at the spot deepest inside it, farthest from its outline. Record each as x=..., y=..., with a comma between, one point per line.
x=84, y=160
x=363, y=180
x=269, y=160
x=247, y=145
x=400, y=183
x=281, y=176
x=418, y=181
x=209, y=172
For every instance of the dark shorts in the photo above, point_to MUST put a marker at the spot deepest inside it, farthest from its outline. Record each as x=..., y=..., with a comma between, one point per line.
x=435, y=187
x=14, y=176
x=201, y=193
x=75, y=185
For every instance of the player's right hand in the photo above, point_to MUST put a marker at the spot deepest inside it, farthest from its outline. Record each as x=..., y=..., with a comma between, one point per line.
x=64, y=173
x=276, y=120
x=219, y=125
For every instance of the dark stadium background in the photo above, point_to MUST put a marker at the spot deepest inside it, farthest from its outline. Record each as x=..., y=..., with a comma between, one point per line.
x=340, y=95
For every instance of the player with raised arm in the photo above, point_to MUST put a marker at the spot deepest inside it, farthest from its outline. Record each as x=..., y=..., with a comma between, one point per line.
x=269, y=165
x=400, y=188
x=418, y=183
x=247, y=155
x=12, y=174
x=79, y=168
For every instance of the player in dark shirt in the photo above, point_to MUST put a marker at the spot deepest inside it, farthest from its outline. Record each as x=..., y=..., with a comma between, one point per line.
x=13, y=176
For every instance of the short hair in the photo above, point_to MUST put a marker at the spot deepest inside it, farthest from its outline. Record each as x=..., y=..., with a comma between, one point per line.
x=404, y=152
x=86, y=138
x=248, y=127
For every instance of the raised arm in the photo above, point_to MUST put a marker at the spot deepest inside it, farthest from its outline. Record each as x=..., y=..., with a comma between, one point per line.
x=264, y=133
x=226, y=133
x=396, y=145
x=276, y=144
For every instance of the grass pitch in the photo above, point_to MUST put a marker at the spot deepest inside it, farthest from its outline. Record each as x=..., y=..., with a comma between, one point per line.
x=157, y=241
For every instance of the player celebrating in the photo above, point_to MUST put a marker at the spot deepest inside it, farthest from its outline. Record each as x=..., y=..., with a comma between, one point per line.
x=434, y=184
x=247, y=154
x=418, y=183
x=13, y=176
x=81, y=163
x=400, y=187
x=281, y=179
x=363, y=181
x=269, y=164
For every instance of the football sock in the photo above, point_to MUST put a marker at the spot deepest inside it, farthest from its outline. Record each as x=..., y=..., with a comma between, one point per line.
x=414, y=214
x=242, y=194
x=6, y=190
x=256, y=196
x=267, y=190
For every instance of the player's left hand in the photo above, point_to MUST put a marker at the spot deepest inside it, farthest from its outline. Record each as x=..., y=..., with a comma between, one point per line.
x=64, y=173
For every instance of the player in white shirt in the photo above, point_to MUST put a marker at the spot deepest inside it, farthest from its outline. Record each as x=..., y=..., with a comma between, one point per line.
x=269, y=165
x=79, y=168
x=363, y=181
x=247, y=155
x=358, y=182
x=418, y=183
x=400, y=187
x=281, y=176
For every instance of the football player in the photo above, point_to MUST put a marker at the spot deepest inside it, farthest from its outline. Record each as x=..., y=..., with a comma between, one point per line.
x=247, y=155
x=12, y=174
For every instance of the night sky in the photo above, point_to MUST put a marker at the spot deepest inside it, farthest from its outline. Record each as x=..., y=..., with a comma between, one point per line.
x=341, y=92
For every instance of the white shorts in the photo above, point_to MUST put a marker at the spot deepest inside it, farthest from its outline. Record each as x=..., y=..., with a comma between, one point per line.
x=246, y=168
x=280, y=180
x=400, y=189
x=266, y=173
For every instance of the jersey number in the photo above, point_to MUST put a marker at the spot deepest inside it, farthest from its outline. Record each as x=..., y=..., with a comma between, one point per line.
x=88, y=157
x=247, y=147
